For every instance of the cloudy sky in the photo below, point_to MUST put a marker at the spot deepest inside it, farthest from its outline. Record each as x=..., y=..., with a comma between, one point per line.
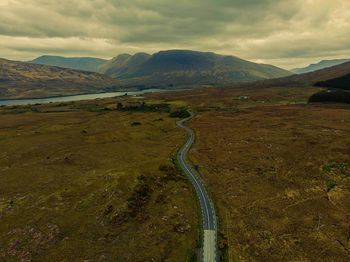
x=287, y=33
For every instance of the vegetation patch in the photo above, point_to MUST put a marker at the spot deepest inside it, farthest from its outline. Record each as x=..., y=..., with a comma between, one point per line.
x=180, y=113
x=330, y=184
x=136, y=123
x=342, y=168
x=142, y=107
x=331, y=97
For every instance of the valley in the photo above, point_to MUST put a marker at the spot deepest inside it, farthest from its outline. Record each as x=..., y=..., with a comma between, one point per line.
x=174, y=131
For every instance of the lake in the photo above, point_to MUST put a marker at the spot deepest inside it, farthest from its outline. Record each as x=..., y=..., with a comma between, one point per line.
x=12, y=102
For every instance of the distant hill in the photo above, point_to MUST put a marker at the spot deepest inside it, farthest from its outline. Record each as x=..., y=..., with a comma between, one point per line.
x=320, y=65
x=186, y=68
x=24, y=80
x=308, y=79
x=79, y=63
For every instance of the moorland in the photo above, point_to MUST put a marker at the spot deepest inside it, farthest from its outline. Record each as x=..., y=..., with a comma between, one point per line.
x=97, y=180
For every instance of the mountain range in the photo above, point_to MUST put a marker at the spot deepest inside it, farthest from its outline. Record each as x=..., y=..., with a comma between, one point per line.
x=170, y=69
x=320, y=65
x=182, y=68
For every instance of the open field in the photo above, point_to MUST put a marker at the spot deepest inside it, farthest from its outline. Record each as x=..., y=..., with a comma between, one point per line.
x=228, y=99
x=81, y=183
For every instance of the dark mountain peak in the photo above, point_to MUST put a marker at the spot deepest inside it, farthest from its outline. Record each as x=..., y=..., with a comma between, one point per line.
x=181, y=60
x=121, y=57
x=189, y=54
x=45, y=56
x=141, y=54
x=181, y=52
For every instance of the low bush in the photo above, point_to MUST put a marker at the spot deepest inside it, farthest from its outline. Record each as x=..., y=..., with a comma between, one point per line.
x=331, y=97
x=180, y=113
x=135, y=123
x=143, y=107
x=330, y=185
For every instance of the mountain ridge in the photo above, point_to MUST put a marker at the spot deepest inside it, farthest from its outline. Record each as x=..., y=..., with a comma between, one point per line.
x=320, y=65
x=308, y=79
x=78, y=63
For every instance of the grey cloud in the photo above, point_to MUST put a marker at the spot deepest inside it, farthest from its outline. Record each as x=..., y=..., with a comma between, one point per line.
x=269, y=30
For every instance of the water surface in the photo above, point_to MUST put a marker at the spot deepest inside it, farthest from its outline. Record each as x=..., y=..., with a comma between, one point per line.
x=12, y=102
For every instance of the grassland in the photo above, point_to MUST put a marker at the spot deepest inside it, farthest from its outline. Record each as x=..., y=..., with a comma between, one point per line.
x=94, y=180
x=278, y=170
x=81, y=182
x=230, y=99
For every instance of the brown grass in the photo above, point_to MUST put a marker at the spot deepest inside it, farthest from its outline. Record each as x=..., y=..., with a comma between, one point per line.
x=78, y=181
x=280, y=176
x=221, y=99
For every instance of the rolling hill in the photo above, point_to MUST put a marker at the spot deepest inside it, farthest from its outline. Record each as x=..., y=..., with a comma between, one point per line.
x=79, y=63
x=27, y=80
x=320, y=65
x=308, y=79
x=186, y=68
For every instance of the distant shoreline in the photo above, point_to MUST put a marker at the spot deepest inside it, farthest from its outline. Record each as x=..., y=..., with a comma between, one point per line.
x=80, y=94
x=76, y=97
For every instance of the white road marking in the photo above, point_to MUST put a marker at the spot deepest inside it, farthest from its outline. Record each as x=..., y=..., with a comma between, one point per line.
x=209, y=243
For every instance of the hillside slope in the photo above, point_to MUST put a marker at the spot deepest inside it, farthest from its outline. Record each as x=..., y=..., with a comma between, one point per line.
x=184, y=67
x=308, y=79
x=320, y=65
x=124, y=65
x=79, y=63
x=24, y=80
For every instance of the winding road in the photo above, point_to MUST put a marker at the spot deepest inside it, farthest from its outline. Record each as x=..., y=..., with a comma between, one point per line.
x=208, y=211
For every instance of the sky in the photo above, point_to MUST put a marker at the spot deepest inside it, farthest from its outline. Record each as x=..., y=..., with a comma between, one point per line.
x=286, y=33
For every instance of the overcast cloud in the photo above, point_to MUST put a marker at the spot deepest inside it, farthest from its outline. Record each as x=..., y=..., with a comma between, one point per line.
x=287, y=33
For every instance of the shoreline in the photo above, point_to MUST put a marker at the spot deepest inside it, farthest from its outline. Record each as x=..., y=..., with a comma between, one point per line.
x=76, y=97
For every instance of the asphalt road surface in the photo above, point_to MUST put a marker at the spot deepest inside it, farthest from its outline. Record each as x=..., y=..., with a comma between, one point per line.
x=207, y=207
